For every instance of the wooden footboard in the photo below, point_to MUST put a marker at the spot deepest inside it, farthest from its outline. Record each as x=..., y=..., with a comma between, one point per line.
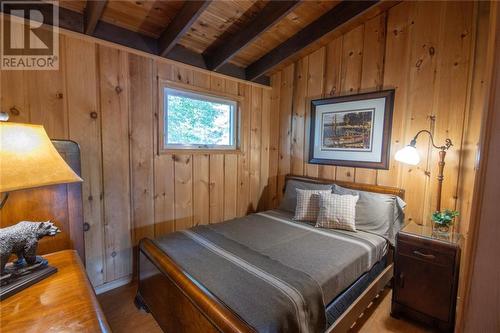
x=176, y=300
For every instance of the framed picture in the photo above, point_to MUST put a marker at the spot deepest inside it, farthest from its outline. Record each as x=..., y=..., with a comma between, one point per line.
x=353, y=131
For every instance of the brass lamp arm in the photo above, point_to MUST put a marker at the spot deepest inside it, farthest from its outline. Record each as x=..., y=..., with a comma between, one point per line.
x=446, y=146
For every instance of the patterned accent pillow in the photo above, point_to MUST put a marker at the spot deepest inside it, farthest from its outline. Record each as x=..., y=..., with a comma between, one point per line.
x=307, y=208
x=337, y=211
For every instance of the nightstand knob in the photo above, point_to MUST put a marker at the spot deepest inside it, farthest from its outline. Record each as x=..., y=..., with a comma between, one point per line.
x=401, y=280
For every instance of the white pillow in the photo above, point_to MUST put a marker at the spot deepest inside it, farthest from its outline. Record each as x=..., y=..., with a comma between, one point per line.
x=307, y=208
x=337, y=211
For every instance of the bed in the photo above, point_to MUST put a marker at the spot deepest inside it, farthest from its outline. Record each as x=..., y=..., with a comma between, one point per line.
x=263, y=272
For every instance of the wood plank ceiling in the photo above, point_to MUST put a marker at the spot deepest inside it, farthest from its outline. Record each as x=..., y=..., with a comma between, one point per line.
x=241, y=38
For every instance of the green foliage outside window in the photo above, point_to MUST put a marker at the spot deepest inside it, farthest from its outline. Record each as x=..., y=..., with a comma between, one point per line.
x=194, y=121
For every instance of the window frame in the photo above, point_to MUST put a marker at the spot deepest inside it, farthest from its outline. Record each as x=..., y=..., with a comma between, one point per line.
x=163, y=147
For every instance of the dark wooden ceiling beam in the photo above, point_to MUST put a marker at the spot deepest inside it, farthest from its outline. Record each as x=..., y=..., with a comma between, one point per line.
x=92, y=14
x=181, y=54
x=119, y=35
x=73, y=21
x=181, y=23
x=68, y=19
x=335, y=17
x=125, y=37
x=267, y=17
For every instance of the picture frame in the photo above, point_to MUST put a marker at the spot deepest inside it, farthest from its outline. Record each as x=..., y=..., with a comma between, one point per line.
x=352, y=130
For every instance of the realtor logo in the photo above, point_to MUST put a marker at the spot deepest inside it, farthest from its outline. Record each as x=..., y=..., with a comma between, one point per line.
x=29, y=38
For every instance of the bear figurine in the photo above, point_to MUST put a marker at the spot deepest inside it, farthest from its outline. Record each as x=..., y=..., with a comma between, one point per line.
x=22, y=240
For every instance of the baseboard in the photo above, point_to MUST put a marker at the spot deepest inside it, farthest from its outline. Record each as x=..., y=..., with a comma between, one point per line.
x=113, y=284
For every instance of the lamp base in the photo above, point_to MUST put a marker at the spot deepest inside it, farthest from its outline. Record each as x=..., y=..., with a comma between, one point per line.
x=18, y=276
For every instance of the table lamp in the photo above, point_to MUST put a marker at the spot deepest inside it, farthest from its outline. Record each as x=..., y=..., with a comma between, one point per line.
x=409, y=155
x=28, y=159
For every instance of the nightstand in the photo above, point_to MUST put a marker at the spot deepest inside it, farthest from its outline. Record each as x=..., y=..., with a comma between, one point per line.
x=426, y=267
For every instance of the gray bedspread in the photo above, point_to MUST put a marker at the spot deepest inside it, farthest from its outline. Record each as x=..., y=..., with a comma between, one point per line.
x=275, y=273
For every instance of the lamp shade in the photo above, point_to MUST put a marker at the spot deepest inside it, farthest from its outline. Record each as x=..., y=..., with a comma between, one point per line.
x=29, y=159
x=408, y=155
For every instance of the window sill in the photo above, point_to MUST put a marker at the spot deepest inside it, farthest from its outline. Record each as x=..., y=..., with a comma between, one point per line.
x=200, y=151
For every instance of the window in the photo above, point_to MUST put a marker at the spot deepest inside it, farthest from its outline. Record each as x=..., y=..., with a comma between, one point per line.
x=193, y=120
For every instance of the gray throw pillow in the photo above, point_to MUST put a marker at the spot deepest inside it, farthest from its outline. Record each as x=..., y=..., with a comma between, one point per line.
x=289, y=201
x=378, y=213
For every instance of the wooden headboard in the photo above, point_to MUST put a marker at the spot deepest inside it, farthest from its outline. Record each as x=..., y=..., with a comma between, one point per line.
x=355, y=186
x=62, y=204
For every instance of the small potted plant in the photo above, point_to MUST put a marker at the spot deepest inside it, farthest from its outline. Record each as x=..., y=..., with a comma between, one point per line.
x=443, y=220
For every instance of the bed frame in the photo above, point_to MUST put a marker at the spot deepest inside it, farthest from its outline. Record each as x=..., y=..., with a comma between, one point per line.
x=180, y=303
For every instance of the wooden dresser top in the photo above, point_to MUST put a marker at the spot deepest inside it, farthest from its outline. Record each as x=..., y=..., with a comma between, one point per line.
x=65, y=301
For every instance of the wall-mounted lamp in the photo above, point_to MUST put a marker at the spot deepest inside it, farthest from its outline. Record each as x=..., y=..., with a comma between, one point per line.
x=409, y=155
x=4, y=116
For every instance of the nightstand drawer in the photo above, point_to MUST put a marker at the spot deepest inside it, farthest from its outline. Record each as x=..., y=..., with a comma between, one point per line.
x=436, y=256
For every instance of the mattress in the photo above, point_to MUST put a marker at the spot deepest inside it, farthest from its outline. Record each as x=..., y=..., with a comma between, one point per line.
x=303, y=247
x=340, y=304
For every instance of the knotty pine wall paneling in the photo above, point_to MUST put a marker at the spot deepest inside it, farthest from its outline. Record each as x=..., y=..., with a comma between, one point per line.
x=350, y=78
x=106, y=99
x=265, y=149
x=315, y=80
x=285, y=127
x=299, y=117
x=216, y=188
x=255, y=146
x=141, y=138
x=424, y=50
x=114, y=103
x=475, y=105
x=422, y=93
x=397, y=56
x=454, y=70
x=372, y=75
x=271, y=193
x=331, y=88
x=82, y=98
x=243, y=193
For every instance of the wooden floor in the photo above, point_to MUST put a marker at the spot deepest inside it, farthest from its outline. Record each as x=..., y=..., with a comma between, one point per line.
x=123, y=317
x=121, y=313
